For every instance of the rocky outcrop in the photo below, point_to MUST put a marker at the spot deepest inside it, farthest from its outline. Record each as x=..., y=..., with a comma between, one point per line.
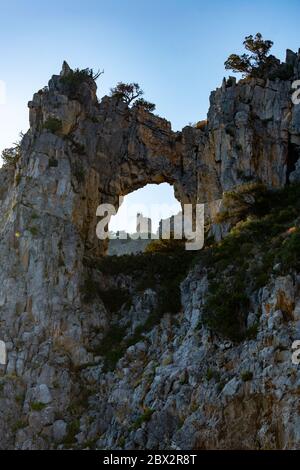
x=183, y=388
x=110, y=149
x=77, y=154
x=252, y=133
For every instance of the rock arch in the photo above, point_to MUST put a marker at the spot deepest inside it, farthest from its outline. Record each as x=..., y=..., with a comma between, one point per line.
x=111, y=149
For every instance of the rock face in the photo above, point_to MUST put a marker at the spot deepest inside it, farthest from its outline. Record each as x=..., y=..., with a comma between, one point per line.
x=77, y=154
x=108, y=149
x=202, y=392
x=253, y=132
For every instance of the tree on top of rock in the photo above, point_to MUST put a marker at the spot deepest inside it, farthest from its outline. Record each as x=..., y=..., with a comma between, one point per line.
x=256, y=64
x=131, y=94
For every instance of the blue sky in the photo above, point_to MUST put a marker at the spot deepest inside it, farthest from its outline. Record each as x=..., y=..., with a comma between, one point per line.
x=175, y=49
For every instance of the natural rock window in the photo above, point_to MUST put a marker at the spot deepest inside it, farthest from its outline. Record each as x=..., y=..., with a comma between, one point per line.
x=138, y=219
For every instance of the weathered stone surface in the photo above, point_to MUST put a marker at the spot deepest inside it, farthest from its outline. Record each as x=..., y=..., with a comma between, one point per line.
x=59, y=430
x=47, y=233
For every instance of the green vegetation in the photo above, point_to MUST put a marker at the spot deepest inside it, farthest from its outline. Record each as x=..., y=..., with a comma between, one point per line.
x=20, y=424
x=223, y=309
x=248, y=199
x=258, y=63
x=145, y=105
x=18, y=179
x=247, y=375
x=289, y=251
x=127, y=92
x=143, y=418
x=11, y=156
x=131, y=93
x=78, y=148
x=75, y=78
x=80, y=400
x=114, y=299
x=161, y=269
x=267, y=234
x=112, y=347
x=252, y=331
x=79, y=76
x=37, y=406
x=212, y=374
x=33, y=230
x=20, y=398
x=251, y=64
x=122, y=442
x=53, y=163
x=72, y=430
x=53, y=125
x=89, y=290
x=165, y=246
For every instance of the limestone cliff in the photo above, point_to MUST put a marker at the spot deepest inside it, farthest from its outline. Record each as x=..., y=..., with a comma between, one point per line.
x=78, y=153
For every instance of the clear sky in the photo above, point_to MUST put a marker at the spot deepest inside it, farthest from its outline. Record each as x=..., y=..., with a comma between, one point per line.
x=154, y=201
x=175, y=49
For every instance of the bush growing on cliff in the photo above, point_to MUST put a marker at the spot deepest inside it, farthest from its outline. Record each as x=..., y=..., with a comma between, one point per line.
x=114, y=298
x=225, y=310
x=247, y=199
x=289, y=252
x=246, y=376
x=76, y=77
x=256, y=64
x=268, y=234
x=165, y=246
x=10, y=156
x=37, y=406
x=143, y=418
x=145, y=104
x=53, y=125
x=131, y=93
